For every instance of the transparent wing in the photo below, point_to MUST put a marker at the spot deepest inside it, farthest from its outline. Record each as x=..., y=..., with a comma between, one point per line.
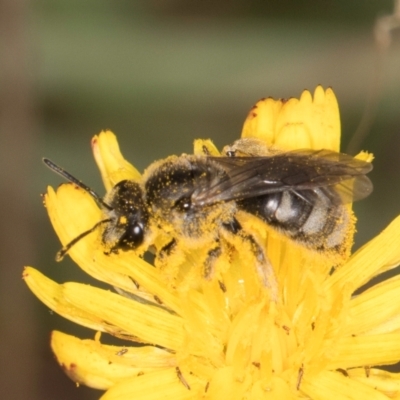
x=299, y=170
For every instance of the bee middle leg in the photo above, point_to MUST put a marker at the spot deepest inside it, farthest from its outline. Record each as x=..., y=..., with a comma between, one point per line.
x=263, y=266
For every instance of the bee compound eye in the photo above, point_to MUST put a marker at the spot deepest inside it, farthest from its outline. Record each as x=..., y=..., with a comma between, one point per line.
x=231, y=153
x=136, y=234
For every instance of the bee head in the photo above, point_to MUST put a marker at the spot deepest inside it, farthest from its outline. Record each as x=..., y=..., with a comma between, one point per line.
x=128, y=216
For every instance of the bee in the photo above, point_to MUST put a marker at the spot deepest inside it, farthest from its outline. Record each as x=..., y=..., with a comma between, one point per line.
x=196, y=199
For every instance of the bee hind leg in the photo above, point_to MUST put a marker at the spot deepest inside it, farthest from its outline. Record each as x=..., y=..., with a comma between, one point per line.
x=263, y=265
x=209, y=265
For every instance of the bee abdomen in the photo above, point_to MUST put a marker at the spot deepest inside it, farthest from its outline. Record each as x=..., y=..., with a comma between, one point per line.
x=309, y=217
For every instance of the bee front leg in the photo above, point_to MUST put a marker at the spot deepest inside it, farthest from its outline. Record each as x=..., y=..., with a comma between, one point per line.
x=167, y=249
x=263, y=266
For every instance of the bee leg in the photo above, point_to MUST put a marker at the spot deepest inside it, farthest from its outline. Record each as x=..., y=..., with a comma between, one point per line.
x=112, y=250
x=264, y=267
x=212, y=256
x=162, y=257
x=167, y=249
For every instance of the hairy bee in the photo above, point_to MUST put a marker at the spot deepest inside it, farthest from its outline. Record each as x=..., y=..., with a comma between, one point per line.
x=196, y=199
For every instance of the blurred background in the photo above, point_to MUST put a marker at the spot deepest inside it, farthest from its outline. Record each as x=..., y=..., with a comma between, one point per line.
x=159, y=73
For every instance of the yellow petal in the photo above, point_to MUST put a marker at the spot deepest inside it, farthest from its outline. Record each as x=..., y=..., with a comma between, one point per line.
x=73, y=204
x=113, y=166
x=374, y=311
x=160, y=384
x=224, y=385
x=381, y=254
x=335, y=386
x=386, y=382
x=149, y=324
x=261, y=120
x=277, y=389
x=51, y=294
x=107, y=312
x=205, y=326
x=100, y=366
x=357, y=351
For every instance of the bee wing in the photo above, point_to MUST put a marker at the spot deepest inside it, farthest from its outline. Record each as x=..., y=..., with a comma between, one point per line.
x=299, y=170
x=342, y=173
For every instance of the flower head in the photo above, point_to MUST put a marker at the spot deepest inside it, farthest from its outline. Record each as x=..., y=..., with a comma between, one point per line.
x=228, y=337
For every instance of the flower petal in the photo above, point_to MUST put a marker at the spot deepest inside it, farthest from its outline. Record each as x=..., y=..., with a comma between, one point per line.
x=335, y=386
x=261, y=120
x=108, y=312
x=73, y=204
x=113, y=166
x=161, y=384
x=148, y=324
x=357, y=351
x=50, y=293
x=100, y=366
x=374, y=311
x=224, y=385
x=386, y=382
x=379, y=255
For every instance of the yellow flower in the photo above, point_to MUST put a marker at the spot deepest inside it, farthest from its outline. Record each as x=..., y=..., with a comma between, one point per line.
x=226, y=338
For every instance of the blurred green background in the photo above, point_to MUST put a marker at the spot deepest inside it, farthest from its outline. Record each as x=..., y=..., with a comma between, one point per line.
x=159, y=73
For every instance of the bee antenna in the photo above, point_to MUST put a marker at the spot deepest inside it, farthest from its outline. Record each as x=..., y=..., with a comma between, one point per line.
x=61, y=254
x=61, y=171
